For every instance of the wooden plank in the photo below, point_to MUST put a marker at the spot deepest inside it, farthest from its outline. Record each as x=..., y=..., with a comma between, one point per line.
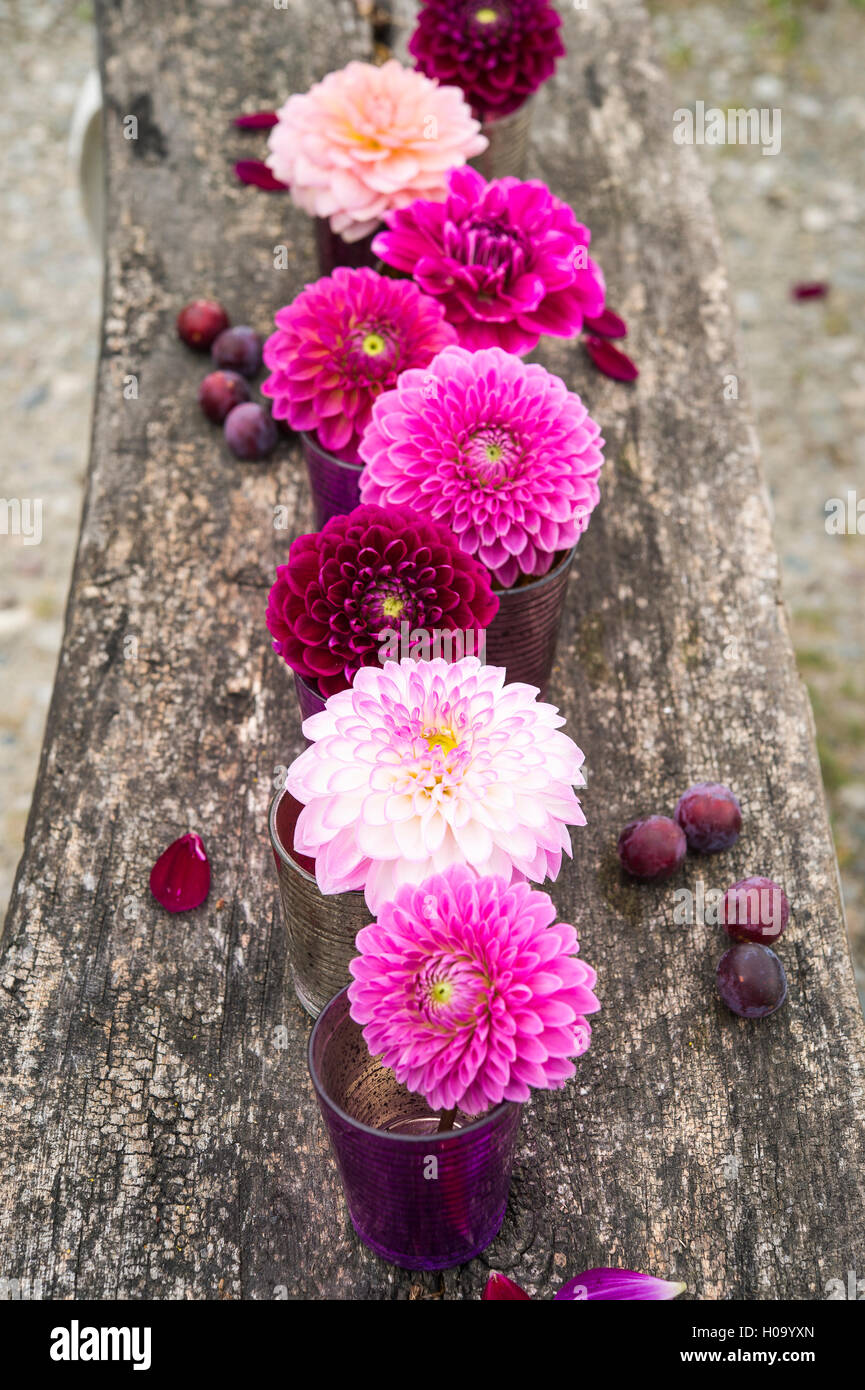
x=161, y=1139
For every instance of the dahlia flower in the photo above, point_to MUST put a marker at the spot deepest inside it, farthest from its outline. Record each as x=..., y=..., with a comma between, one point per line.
x=497, y=448
x=423, y=764
x=343, y=340
x=362, y=574
x=469, y=994
x=368, y=139
x=508, y=260
x=498, y=54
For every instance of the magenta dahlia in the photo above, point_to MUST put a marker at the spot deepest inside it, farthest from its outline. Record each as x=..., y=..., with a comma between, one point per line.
x=342, y=341
x=498, y=449
x=498, y=54
x=469, y=993
x=363, y=574
x=507, y=260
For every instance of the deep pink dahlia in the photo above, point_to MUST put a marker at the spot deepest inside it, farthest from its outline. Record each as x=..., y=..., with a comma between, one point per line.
x=469, y=993
x=507, y=259
x=424, y=764
x=497, y=448
x=364, y=573
x=343, y=340
x=498, y=54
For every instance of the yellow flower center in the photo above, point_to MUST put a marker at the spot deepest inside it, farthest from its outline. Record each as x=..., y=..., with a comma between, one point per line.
x=486, y=16
x=441, y=992
x=493, y=452
x=392, y=606
x=441, y=738
x=373, y=345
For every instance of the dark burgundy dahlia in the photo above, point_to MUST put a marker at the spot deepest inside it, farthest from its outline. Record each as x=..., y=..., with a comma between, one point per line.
x=366, y=572
x=498, y=53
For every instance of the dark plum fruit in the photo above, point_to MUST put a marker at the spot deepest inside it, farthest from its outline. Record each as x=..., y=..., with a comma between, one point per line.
x=220, y=392
x=250, y=432
x=238, y=349
x=201, y=322
x=755, y=909
x=751, y=980
x=651, y=849
x=710, y=816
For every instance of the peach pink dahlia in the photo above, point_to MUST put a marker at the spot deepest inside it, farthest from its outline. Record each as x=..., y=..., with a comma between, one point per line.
x=367, y=140
x=423, y=764
x=471, y=991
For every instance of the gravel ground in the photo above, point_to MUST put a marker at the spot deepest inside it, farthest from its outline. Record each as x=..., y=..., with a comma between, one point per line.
x=793, y=217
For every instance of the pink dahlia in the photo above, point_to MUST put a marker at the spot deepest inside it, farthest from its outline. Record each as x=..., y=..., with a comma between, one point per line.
x=341, y=342
x=469, y=994
x=369, y=139
x=507, y=259
x=498, y=449
x=423, y=764
x=363, y=574
x=498, y=54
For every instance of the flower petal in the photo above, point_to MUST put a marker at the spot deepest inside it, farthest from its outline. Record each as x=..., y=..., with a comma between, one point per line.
x=254, y=172
x=500, y=1288
x=610, y=361
x=621, y=1284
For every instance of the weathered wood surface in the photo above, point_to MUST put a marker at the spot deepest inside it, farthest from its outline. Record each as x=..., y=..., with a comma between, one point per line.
x=160, y=1138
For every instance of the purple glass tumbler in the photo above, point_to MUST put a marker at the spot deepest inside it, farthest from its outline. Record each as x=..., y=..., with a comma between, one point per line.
x=309, y=697
x=334, y=482
x=332, y=250
x=419, y=1199
x=522, y=636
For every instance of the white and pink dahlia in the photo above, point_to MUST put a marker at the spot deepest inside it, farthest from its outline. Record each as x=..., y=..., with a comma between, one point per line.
x=367, y=140
x=424, y=764
x=497, y=448
x=471, y=992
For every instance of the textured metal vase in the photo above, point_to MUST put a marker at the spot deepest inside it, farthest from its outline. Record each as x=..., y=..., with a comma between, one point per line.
x=507, y=153
x=310, y=700
x=333, y=251
x=522, y=636
x=419, y=1199
x=334, y=482
x=321, y=928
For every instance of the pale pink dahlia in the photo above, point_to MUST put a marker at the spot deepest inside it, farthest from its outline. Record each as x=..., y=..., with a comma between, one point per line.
x=340, y=343
x=469, y=994
x=508, y=260
x=423, y=764
x=498, y=449
x=368, y=139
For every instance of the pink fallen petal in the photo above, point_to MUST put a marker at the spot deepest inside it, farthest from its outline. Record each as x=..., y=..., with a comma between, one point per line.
x=500, y=1288
x=810, y=289
x=180, y=878
x=610, y=361
x=254, y=172
x=257, y=120
x=617, y=1284
x=607, y=325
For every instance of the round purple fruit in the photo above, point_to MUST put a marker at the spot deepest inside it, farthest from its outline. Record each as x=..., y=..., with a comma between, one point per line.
x=710, y=816
x=220, y=392
x=200, y=322
x=250, y=432
x=651, y=849
x=751, y=980
x=755, y=909
x=238, y=349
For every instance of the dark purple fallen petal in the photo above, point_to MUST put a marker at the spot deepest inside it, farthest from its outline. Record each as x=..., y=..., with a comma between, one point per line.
x=810, y=289
x=617, y=1284
x=257, y=120
x=607, y=325
x=610, y=361
x=180, y=878
x=254, y=172
x=500, y=1288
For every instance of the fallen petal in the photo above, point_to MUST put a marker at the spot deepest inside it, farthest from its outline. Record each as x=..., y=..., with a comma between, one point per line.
x=810, y=289
x=500, y=1287
x=257, y=120
x=255, y=172
x=610, y=361
x=607, y=325
x=617, y=1284
x=180, y=878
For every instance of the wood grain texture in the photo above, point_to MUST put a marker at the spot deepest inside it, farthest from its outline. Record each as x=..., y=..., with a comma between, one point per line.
x=160, y=1136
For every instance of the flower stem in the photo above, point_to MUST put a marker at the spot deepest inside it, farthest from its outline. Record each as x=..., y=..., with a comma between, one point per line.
x=446, y=1120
